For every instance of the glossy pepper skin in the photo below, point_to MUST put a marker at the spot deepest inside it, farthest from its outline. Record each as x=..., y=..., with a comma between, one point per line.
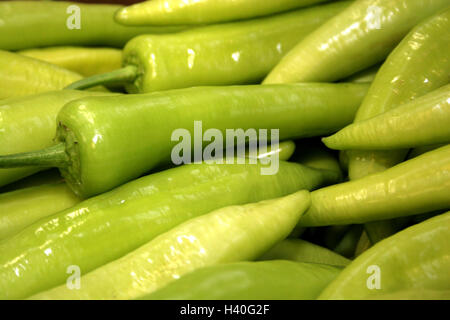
x=416, y=186
x=192, y=12
x=35, y=24
x=29, y=123
x=83, y=60
x=421, y=122
x=100, y=135
x=303, y=251
x=265, y=280
x=21, y=76
x=284, y=149
x=21, y=208
x=194, y=244
x=417, y=66
x=242, y=52
x=414, y=258
x=97, y=230
x=97, y=148
x=352, y=40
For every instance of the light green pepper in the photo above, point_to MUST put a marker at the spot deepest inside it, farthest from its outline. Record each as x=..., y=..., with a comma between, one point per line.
x=421, y=122
x=303, y=251
x=353, y=40
x=415, y=258
x=83, y=60
x=197, y=243
x=416, y=186
x=107, y=227
x=266, y=280
x=29, y=123
x=21, y=208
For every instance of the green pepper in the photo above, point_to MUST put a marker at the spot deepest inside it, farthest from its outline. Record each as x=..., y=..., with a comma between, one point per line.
x=363, y=244
x=83, y=60
x=417, y=66
x=182, y=12
x=234, y=53
x=416, y=186
x=348, y=243
x=21, y=208
x=34, y=24
x=97, y=230
x=355, y=39
x=194, y=244
x=415, y=258
x=21, y=76
x=303, y=251
x=264, y=280
x=29, y=123
x=421, y=122
x=380, y=229
x=365, y=76
x=284, y=149
x=98, y=135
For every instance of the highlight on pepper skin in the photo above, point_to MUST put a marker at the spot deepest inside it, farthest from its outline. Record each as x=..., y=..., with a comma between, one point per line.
x=224, y=150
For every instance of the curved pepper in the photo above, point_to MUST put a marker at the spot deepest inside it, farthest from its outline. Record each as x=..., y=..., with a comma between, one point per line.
x=21, y=208
x=303, y=251
x=194, y=244
x=266, y=280
x=29, y=123
x=235, y=53
x=418, y=65
x=181, y=12
x=416, y=186
x=83, y=60
x=98, y=135
x=416, y=257
x=21, y=76
x=421, y=122
x=106, y=227
x=355, y=39
x=34, y=24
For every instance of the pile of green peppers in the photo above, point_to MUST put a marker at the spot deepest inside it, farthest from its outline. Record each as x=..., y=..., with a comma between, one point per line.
x=94, y=206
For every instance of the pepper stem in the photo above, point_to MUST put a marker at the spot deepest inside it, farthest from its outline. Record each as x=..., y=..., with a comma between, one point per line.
x=54, y=156
x=125, y=74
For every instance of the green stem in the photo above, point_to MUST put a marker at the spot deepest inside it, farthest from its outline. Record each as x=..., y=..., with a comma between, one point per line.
x=125, y=74
x=54, y=156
